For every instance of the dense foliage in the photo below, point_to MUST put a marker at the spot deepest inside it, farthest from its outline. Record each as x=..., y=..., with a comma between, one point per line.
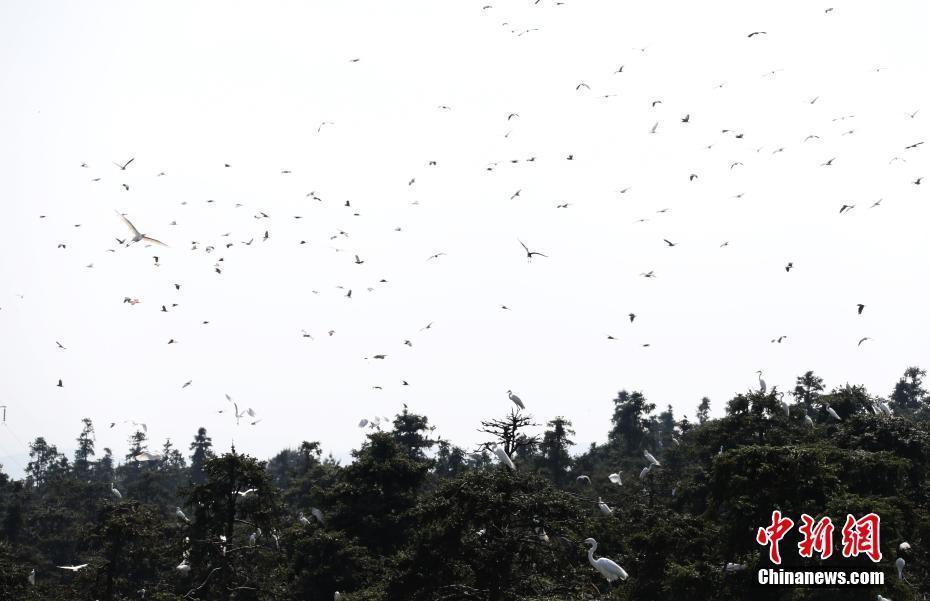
x=413, y=517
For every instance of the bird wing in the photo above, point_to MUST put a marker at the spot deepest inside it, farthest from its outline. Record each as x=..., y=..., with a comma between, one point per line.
x=154, y=241
x=126, y=164
x=523, y=245
x=129, y=224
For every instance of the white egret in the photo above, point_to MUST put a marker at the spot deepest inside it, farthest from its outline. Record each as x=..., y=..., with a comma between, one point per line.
x=608, y=568
x=784, y=404
x=645, y=471
x=762, y=386
x=136, y=235
x=303, y=519
x=252, y=538
x=146, y=456
x=32, y=577
x=516, y=400
x=808, y=421
x=899, y=565
x=905, y=546
x=651, y=459
x=832, y=413
x=113, y=491
x=605, y=509
x=246, y=492
x=180, y=514
x=337, y=596
x=73, y=568
x=582, y=479
x=615, y=478
x=504, y=458
x=880, y=598
x=734, y=567
x=183, y=567
x=317, y=514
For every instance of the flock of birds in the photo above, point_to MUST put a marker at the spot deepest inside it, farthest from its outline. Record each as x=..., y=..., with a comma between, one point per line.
x=132, y=236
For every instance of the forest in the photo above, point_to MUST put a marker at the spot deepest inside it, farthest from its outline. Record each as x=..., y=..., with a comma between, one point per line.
x=415, y=517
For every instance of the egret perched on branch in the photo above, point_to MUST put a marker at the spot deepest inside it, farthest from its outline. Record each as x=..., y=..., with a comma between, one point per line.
x=180, y=514
x=784, y=404
x=905, y=546
x=652, y=459
x=608, y=569
x=615, y=478
x=762, y=386
x=605, y=509
x=32, y=577
x=645, y=471
x=504, y=458
x=113, y=491
x=832, y=413
x=303, y=519
x=516, y=400
x=808, y=421
x=899, y=565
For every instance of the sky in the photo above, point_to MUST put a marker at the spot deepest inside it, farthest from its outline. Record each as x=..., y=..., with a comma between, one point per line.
x=316, y=104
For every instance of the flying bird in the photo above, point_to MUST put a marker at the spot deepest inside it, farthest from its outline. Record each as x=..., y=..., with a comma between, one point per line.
x=529, y=253
x=757, y=33
x=124, y=165
x=860, y=308
x=136, y=235
x=504, y=458
x=861, y=340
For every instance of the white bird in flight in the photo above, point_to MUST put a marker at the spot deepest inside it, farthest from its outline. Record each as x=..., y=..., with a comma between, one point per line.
x=504, y=458
x=138, y=236
x=73, y=568
x=607, y=568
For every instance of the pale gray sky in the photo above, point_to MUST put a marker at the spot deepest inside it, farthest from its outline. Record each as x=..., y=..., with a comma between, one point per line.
x=186, y=87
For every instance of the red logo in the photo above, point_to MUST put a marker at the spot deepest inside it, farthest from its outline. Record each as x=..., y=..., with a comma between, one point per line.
x=774, y=533
x=861, y=536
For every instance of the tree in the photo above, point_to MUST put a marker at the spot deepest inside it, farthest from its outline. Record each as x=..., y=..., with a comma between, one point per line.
x=375, y=493
x=807, y=389
x=703, y=410
x=909, y=396
x=45, y=462
x=630, y=421
x=411, y=430
x=201, y=448
x=554, y=449
x=508, y=433
x=85, y=449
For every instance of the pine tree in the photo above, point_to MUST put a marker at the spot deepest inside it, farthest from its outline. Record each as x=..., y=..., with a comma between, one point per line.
x=85, y=449
x=201, y=448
